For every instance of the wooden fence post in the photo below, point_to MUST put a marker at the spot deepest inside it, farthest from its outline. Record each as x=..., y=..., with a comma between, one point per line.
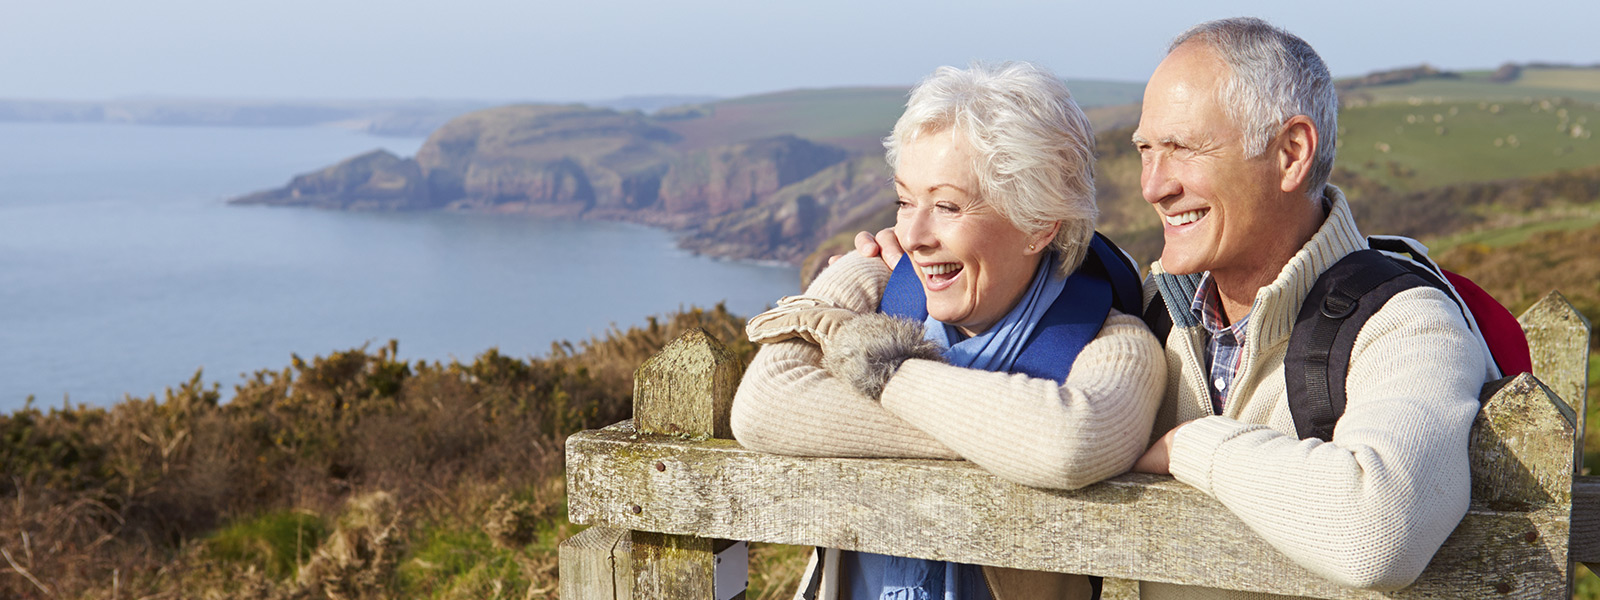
x=597, y=564
x=1558, y=340
x=684, y=390
x=1521, y=454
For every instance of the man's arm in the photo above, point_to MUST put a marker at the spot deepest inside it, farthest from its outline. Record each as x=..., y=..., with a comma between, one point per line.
x=1370, y=508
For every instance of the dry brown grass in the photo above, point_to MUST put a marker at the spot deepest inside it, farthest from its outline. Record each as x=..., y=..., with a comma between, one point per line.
x=121, y=501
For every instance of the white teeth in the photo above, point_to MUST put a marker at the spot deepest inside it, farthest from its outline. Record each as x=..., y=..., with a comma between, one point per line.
x=940, y=269
x=1187, y=217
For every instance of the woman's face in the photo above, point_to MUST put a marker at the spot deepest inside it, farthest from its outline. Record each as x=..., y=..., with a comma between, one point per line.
x=973, y=263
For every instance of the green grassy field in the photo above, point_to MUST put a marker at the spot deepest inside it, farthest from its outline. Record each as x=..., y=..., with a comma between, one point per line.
x=854, y=117
x=1411, y=146
x=1578, y=84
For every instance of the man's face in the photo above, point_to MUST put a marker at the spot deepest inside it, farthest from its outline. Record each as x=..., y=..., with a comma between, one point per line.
x=1217, y=207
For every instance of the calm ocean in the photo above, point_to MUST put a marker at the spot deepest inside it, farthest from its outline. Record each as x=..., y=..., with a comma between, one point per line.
x=122, y=271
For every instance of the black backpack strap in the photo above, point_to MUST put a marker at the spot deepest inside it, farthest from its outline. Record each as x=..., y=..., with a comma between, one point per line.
x=1157, y=319
x=1324, y=334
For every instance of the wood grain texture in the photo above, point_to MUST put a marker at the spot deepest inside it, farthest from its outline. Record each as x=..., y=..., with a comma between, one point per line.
x=687, y=388
x=1586, y=521
x=953, y=510
x=1522, y=446
x=1119, y=589
x=672, y=567
x=1558, y=341
x=597, y=564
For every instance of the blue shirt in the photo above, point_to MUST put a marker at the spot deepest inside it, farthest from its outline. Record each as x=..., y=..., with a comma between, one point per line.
x=1226, y=344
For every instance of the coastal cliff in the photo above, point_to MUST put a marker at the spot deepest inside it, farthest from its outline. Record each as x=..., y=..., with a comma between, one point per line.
x=770, y=198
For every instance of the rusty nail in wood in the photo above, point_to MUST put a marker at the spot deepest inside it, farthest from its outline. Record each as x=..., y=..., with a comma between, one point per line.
x=660, y=466
x=1532, y=536
x=1502, y=587
x=637, y=509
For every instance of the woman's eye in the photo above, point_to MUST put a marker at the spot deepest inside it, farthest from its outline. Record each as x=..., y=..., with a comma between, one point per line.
x=947, y=207
x=901, y=204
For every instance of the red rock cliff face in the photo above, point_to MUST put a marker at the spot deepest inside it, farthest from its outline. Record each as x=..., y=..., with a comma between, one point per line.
x=730, y=178
x=568, y=159
x=377, y=180
x=576, y=161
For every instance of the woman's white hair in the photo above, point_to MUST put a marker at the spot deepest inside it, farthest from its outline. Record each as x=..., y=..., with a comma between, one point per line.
x=1275, y=75
x=1034, y=147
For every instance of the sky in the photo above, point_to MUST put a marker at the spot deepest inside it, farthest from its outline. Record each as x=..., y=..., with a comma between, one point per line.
x=601, y=49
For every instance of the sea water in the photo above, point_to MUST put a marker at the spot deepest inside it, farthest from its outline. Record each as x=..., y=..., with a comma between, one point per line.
x=123, y=271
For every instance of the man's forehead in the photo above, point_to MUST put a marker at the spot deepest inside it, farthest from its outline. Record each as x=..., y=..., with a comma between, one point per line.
x=1181, y=94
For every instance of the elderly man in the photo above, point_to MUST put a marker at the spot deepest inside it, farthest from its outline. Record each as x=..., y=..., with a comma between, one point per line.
x=1237, y=143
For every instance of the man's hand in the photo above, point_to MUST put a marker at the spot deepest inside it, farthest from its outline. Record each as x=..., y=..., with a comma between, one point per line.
x=1158, y=459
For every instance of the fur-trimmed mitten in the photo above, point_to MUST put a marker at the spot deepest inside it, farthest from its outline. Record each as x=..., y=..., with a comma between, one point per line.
x=808, y=318
x=867, y=350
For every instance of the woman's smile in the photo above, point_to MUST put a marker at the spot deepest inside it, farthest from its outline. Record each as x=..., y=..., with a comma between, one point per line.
x=973, y=262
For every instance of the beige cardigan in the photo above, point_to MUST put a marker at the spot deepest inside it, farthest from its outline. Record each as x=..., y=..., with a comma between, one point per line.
x=1070, y=435
x=1371, y=507
x=1031, y=431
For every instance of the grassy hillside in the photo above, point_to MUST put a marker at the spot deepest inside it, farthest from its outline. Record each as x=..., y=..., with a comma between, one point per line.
x=1580, y=84
x=1417, y=145
x=853, y=118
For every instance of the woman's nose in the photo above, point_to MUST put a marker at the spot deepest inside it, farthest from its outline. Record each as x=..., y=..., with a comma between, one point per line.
x=914, y=231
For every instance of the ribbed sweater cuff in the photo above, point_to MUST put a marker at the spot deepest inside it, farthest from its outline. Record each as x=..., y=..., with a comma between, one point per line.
x=1195, y=446
x=855, y=282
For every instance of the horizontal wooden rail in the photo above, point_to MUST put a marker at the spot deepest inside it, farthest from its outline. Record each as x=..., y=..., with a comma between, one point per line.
x=953, y=510
x=666, y=490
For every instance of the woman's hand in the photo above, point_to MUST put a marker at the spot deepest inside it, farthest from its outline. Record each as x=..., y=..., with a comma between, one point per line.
x=883, y=245
x=866, y=350
x=808, y=318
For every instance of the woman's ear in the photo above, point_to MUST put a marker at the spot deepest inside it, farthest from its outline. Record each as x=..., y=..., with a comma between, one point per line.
x=1039, y=242
x=1295, y=150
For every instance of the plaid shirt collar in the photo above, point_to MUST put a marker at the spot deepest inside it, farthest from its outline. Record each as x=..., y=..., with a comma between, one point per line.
x=1224, y=347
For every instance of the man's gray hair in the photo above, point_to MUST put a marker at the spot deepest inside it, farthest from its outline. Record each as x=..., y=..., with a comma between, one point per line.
x=1275, y=76
x=1034, y=147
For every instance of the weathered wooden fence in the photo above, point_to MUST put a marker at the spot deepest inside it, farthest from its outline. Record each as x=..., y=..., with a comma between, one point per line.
x=666, y=490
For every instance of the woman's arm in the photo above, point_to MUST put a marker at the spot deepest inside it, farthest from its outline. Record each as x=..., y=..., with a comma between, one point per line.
x=788, y=404
x=1037, y=432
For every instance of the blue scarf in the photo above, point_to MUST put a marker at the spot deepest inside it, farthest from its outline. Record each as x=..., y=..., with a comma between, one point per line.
x=997, y=348
x=1103, y=281
x=883, y=577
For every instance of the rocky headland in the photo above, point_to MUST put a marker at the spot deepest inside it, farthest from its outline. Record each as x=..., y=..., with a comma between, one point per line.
x=770, y=197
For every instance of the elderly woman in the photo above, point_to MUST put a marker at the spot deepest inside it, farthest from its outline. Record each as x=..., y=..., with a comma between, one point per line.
x=1002, y=336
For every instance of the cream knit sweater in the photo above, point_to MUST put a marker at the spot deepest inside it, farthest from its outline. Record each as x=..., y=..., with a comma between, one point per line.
x=1370, y=508
x=1031, y=431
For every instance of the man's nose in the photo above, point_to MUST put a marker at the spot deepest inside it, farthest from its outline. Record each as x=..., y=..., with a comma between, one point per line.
x=1157, y=181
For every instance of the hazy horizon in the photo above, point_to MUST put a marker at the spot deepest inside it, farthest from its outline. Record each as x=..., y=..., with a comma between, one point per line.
x=506, y=50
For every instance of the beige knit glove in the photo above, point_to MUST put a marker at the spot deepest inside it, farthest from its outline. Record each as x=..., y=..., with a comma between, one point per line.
x=807, y=318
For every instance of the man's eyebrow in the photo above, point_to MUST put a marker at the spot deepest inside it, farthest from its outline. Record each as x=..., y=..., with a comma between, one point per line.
x=1139, y=139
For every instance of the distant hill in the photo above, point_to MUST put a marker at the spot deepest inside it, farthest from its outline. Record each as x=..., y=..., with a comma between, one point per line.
x=381, y=117
x=761, y=177
x=1454, y=158
x=1510, y=82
